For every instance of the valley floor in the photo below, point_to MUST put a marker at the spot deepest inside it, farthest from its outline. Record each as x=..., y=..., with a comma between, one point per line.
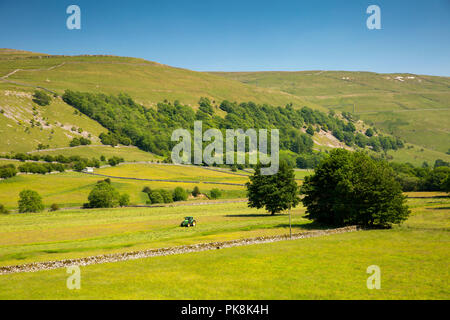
x=413, y=257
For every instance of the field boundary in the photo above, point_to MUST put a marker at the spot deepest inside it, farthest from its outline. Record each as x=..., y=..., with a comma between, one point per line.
x=116, y=257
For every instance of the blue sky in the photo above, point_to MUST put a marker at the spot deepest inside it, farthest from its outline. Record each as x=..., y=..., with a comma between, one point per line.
x=241, y=35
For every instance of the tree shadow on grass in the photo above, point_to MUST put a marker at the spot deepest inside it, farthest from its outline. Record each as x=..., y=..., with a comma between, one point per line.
x=439, y=208
x=313, y=225
x=251, y=215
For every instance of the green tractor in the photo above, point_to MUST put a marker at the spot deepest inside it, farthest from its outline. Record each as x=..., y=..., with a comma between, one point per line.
x=188, y=222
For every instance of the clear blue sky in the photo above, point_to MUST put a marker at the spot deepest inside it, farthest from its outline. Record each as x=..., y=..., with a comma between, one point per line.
x=236, y=35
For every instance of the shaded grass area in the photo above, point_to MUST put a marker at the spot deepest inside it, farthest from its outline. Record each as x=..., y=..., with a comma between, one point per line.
x=413, y=259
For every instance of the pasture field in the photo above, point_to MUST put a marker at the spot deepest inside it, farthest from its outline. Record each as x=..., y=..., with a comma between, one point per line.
x=172, y=172
x=79, y=233
x=413, y=257
x=71, y=189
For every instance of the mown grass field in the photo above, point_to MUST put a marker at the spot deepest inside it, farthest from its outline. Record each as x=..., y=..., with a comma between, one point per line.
x=413, y=257
x=172, y=172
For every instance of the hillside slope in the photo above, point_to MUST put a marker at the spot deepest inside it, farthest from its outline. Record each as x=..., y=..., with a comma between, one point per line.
x=413, y=107
x=147, y=82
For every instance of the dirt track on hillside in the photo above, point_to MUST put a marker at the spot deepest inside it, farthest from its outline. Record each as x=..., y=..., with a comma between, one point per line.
x=115, y=257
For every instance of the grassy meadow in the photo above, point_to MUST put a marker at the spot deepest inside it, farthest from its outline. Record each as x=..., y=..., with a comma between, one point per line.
x=413, y=257
x=69, y=189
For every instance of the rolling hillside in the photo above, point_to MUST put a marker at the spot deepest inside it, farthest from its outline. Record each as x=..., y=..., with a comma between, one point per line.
x=147, y=82
x=413, y=107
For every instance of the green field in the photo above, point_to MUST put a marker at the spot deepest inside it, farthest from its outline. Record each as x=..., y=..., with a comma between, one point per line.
x=413, y=257
x=70, y=189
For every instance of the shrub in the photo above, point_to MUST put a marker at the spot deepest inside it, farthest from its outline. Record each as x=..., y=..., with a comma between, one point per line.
x=7, y=171
x=30, y=201
x=155, y=197
x=196, y=191
x=54, y=207
x=124, y=200
x=41, y=98
x=166, y=195
x=179, y=194
x=350, y=188
x=310, y=130
x=215, y=193
x=3, y=210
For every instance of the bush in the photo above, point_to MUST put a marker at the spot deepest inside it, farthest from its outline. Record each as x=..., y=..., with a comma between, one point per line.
x=7, y=171
x=124, y=200
x=155, y=197
x=196, y=191
x=215, y=193
x=3, y=210
x=166, y=195
x=30, y=201
x=179, y=194
x=310, y=130
x=350, y=188
x=54, y=207
x=41, y=98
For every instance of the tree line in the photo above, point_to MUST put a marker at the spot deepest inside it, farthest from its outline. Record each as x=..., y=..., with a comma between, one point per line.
x=130, y=123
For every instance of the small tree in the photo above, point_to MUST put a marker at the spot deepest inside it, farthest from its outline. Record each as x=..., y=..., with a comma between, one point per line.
x=30, y=201
x=54, y=207
x=3, y=210
x=351, y=188
x=41, y=98
x=310, y=130
x=196, y=191
x=179, y=194
x=275, y=192
x=155, y=197
x=166, y=195
x=215, y=193
x=124, y=200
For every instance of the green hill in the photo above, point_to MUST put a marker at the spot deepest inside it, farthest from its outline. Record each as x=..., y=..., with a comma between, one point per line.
x=147, y=82
x=413, y=107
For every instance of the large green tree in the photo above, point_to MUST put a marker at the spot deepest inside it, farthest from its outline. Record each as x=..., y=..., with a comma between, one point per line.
x=350, y=188
x=30, y=201
x=275, y=192
x=104, y=195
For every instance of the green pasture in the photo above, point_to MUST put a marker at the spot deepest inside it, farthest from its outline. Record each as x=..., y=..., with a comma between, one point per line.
x=413, y=259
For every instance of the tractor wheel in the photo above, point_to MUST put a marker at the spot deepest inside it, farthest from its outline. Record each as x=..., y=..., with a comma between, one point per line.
x=194, y=223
